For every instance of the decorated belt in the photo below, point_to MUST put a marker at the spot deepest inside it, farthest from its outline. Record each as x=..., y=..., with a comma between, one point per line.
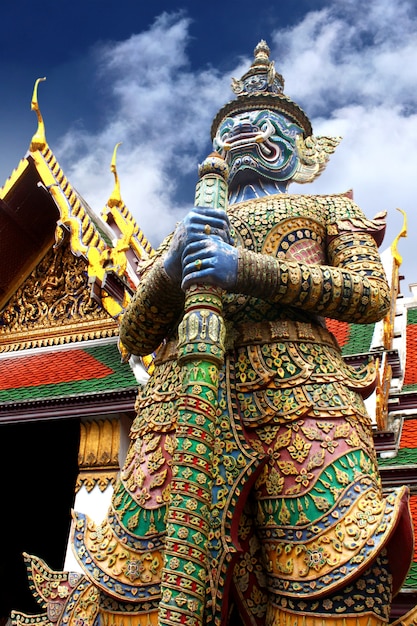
x=265, y=332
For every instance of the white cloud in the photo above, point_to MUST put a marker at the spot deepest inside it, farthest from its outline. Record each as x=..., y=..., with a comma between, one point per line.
x=354, y=75
x=335, y=57
x=161, y=111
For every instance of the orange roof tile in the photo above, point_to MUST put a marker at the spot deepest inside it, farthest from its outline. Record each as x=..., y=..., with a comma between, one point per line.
x=409, y=434
x=340, y=330
x=64, y=373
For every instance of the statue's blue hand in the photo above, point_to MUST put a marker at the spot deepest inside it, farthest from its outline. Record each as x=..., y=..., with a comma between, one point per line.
x=210, y=260
x=200, y=224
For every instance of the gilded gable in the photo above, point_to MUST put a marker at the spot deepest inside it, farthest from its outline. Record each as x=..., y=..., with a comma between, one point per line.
x=54, y=306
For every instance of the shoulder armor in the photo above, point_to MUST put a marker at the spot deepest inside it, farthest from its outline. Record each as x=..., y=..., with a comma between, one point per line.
x=345, y=216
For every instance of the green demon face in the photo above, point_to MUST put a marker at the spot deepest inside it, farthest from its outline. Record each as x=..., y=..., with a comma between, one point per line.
x=258, y=144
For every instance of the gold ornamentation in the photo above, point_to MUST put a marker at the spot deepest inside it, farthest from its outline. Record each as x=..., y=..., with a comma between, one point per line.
x=85, y=239
x=98, y=456
x=261, y=87
x=332, y=548
x=384, y=377
x=58, y=592
x=54, y=306
x=39, y=139
x=279, y=617
x=389, y=319
x=118, y=559
x=314, y=153
x=131, y=237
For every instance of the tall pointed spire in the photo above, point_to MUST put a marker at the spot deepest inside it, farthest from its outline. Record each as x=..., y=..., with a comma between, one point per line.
x=389, y=319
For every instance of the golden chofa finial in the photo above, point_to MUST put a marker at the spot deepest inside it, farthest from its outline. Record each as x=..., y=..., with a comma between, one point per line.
x=39, y=138
x=115, y=197
x=403, y=233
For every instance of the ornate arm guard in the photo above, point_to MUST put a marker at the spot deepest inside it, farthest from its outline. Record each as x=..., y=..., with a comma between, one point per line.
x=153, y=311
x=353, y=288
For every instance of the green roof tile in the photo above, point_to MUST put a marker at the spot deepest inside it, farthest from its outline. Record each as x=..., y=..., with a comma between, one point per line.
x=360, y=339
x=411, y=580
x=405, y=456
x=412, y=316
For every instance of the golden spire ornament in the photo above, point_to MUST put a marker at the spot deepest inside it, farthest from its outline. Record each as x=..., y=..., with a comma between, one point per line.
x=39, y=138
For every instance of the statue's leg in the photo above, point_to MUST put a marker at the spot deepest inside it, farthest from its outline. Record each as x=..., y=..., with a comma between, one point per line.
x=353, y=605
x=118, y=615
x=324, y=525
x=364, y=602
x=321, y=519
x=249, y=584
x=124, y=555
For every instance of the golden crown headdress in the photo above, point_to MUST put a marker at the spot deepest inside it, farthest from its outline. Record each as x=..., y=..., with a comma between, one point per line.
x=262, y=87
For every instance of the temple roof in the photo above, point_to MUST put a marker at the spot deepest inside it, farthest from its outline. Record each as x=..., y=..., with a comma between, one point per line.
x=39, y=207
x=87, y=368
x=82, y=379
x=352, y=338
x=410, y=378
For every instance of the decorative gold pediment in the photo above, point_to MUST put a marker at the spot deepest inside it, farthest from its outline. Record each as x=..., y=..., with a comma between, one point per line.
x=54, y=306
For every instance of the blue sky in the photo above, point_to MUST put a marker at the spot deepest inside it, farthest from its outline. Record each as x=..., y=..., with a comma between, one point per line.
x=152, y=75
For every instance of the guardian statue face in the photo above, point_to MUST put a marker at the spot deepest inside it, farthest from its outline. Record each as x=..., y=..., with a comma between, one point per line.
x=258, y=144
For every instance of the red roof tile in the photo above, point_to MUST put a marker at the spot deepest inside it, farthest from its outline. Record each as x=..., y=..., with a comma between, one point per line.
x=410, y=377
x=50, y=368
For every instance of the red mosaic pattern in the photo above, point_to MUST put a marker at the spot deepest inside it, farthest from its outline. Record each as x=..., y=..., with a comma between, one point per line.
x=340, y=330
x=50, y=368
x=410, y=377
x=409, y=434
x=413, y=508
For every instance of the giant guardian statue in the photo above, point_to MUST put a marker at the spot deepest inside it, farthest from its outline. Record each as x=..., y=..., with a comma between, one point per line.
x=250, y=493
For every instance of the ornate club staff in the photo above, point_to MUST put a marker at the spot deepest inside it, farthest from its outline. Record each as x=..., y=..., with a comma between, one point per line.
x=200, y=354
